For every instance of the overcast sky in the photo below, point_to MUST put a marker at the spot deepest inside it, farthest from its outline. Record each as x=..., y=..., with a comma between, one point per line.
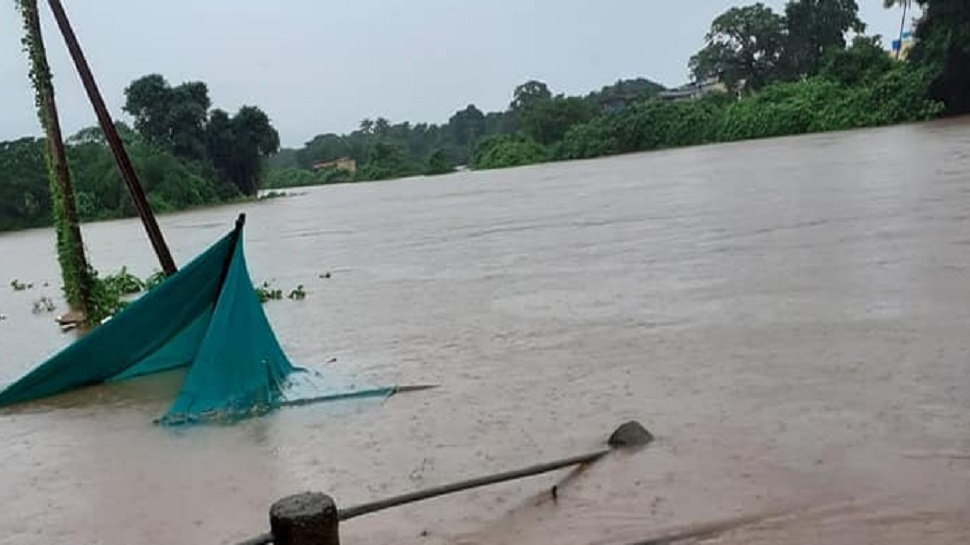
x=321, y=66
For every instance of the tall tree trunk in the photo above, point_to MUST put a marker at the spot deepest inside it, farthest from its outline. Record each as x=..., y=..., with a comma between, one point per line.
x=76, y=273
x=902, y=28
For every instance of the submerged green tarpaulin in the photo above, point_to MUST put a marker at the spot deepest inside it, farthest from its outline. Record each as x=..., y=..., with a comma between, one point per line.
x=207, y=317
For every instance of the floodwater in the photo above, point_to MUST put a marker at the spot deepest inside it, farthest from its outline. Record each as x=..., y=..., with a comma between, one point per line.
x=790, y=318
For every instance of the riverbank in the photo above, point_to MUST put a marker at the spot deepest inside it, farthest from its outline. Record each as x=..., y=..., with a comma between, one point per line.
x=264, y=195
x=888, y=94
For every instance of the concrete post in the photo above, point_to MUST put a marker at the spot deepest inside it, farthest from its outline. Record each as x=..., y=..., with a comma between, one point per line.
x=305, y=519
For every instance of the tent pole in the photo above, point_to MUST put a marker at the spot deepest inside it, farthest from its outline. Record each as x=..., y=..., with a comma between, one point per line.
x=114, y=141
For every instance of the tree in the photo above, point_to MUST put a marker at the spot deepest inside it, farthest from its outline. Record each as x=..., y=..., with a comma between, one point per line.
x=636, y=89
x=815, y=28
x=861, y=64
x=173, y=117
x=147, y=100
x=743, y=48
x=547, y=121
x=382, y=127
x=438, y=163
x=467, y=126
x=323, y=147
x=499, y=123
x=502, y=151
x=386, y=161
x=188, y=114
x=239, y=145
x=77, y=275
x=905, y=5
x=943, y=49
x=24, y=192
x=528, y=93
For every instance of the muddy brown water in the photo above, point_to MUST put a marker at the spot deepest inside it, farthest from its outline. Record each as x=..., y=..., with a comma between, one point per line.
x=790, y=318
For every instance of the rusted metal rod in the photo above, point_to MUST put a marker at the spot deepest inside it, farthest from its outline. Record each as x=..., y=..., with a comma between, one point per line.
x=376, y=392
x=364, y=509
x=629, y=435
x=114, y=141
x=313, y=519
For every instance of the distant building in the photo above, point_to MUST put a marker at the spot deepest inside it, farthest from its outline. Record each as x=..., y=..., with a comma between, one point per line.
x=694, y=90
x=343, y=163
x=901, y=48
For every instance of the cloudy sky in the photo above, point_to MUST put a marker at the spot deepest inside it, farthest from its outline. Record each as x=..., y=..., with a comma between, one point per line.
x=322, y=65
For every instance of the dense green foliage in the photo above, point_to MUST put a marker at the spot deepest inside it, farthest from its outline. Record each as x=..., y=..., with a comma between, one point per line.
x=943, y=48
x=437, y=163
x=752, y=46
x=860, y=64
x=178, y=120
x=170, y=182
x=25, y=199
x=298, y=177
x=744, y=48
x=813, y=105
x=384, y=150
x=816, y=29
x=184, y=154
x=502, y=151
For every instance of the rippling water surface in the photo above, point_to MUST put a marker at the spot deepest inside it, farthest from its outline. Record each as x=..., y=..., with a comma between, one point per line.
x=791, y=319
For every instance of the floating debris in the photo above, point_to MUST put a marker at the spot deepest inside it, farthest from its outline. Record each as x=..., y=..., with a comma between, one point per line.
x=267, y=293
x=155, y=279
x=70, y=320
x=44, y=304
x=124, y=283
x=17, y=285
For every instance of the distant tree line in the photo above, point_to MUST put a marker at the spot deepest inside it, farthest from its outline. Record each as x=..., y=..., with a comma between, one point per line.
x=383, y=150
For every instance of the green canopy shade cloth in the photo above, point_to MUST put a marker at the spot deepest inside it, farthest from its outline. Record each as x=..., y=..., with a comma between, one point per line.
x=206, y=317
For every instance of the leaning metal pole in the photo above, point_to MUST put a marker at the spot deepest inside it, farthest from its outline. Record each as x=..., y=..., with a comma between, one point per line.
x=107, y=125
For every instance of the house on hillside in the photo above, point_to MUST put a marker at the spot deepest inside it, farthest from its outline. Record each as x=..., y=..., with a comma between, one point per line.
x=900, y=48
x=695, y=90
x=343, y=163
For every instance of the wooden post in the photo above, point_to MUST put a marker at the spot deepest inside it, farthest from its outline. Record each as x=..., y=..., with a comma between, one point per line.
x=111, y=134
x=75, y=270
x=305, y=519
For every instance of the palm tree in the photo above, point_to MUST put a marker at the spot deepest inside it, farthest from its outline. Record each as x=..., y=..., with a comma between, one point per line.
x=76, y=273
x=905, y=4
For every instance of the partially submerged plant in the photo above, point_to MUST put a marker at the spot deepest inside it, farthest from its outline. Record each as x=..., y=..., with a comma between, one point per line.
x=44, y=304
x=266, y=293
x=298, y=294
x=17, y=285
